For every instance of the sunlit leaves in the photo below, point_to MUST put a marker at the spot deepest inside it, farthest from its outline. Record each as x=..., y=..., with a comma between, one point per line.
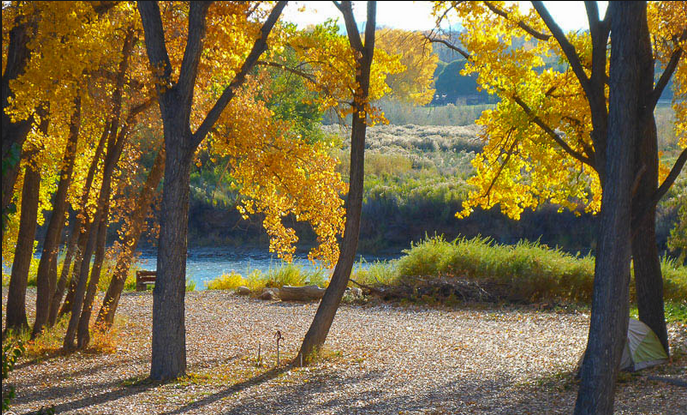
x=522, y=166
x=279, y=174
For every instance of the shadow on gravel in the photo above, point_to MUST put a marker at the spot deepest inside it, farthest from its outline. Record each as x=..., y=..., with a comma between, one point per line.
x=366, y=393
x=89, y=401
x=238, y=387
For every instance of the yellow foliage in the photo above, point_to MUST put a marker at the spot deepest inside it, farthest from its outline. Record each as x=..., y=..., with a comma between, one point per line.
x=521, y=165
x=414, y=83
x=229, y=281
x=279, y=174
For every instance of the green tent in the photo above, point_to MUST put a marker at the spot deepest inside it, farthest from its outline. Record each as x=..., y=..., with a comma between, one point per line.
x=642, y=349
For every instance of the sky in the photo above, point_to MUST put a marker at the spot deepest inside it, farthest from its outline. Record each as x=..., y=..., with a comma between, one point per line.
x=416, y=15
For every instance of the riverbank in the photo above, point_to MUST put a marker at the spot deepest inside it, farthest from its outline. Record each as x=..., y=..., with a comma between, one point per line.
x=379, y=359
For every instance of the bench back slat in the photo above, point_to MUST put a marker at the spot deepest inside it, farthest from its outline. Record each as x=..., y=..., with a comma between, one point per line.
x=143, y=278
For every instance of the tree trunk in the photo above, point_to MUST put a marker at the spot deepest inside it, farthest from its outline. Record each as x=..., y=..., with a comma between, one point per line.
x=646, y=261
x=610, y=304
x=82, y=228
x=64, y=274
x=130, y=242
x=112, y=158
x=169, y=327
x=80, y=251
x=114, y=152
x=79, y=282
x=16, y=296
x=45, y=284
x=83, y=336
x=317, y=333
x=169, y=332
x=648, y=278
x=14, y=133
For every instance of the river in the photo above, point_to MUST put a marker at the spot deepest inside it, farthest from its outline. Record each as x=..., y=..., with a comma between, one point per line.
x=205, y=264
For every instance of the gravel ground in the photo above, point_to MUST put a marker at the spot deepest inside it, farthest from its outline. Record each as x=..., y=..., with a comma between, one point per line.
x=380, y=359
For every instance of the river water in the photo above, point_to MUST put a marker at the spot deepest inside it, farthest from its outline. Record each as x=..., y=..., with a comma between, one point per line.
x=205, y=264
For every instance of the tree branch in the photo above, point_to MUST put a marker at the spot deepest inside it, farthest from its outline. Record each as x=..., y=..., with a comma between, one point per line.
x=258, y=47
x=670, y=179
x=308, y=77
x=450, y=46
x=509, y=153
x=667, y=73
x=370, y=28
x=155, y=43
x=294, y=71
x=599, y=32
x=567, y=47
x=351, y=26
x=524, y=26
x=577, y=155
x=194, y=48
x=592, y=16
x=588, y=160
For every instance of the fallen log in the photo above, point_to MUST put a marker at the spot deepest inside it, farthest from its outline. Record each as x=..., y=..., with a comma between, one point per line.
x=305, y=293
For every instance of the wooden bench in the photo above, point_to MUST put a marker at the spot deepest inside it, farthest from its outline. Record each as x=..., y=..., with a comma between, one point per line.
x=143, y=278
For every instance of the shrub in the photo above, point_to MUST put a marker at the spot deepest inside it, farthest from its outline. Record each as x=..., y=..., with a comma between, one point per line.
x=528, y=270
x=288, y=274
x=674, y=280
x=380, y=273
x=11, y=351
x=229, y=281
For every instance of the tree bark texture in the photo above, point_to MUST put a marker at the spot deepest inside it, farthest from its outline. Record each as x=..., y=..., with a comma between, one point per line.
x=317, y=333
x=129, y=242
x=16, y=296
x=610, y=304
x=169, y=327
x=46, y=275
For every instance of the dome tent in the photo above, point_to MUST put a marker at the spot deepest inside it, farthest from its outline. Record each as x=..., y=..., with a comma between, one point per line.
x=643, y=349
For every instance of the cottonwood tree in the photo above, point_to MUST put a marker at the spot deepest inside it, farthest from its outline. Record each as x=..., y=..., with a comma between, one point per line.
x=52, y=97
x=546, y=139
x=175, y=98
x=364, y=54
x=631, y=68
x=21, y=27
x=131, y=234
x=25, y=27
